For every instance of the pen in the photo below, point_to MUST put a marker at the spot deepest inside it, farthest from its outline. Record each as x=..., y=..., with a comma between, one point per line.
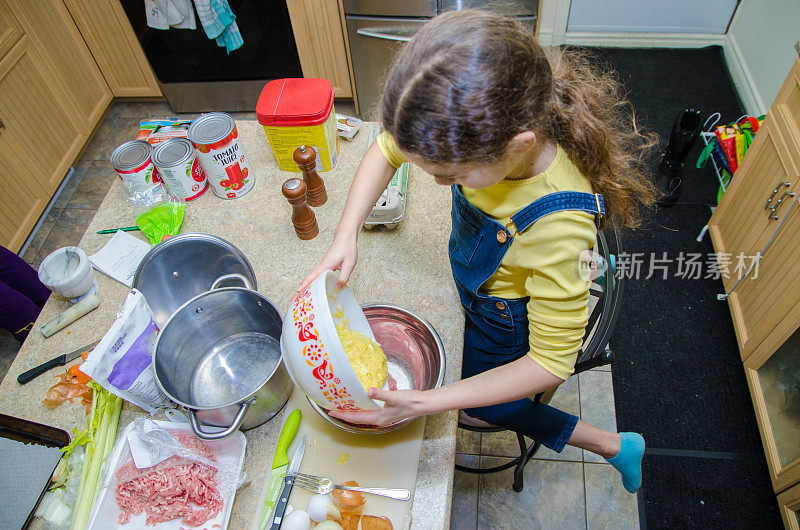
x=124, y=229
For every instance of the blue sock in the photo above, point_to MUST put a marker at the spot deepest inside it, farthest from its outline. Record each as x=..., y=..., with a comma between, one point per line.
x=629, y=460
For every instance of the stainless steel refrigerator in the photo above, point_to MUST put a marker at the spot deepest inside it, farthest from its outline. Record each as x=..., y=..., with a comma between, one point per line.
x=376, y=29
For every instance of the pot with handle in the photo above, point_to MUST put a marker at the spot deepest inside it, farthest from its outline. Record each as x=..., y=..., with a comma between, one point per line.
x=219, y=357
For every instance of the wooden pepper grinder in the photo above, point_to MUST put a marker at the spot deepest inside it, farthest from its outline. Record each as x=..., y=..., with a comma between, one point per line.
x=303, y=218
x=306, y=159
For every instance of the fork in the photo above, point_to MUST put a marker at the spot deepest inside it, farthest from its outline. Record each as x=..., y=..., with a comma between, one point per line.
x=326, y=485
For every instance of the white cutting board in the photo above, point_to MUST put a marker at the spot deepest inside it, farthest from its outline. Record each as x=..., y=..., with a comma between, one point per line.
x=378, y=460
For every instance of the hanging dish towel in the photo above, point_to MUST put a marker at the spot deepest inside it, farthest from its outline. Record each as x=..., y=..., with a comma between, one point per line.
x=165, y=14
x=220, y=23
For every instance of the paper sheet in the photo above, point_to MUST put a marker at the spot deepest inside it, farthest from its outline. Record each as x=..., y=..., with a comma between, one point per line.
x=120, y=257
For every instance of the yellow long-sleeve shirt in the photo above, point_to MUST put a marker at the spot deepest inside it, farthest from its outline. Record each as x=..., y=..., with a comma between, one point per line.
x=542, y=262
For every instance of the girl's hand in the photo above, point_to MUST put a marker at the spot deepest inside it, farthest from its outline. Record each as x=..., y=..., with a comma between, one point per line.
x=398, y=405
x=341, y=256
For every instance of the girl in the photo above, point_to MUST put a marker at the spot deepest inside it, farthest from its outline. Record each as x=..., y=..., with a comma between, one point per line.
x=535, y=153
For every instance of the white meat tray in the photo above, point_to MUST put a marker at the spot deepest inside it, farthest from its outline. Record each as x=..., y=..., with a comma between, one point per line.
x=106, y=511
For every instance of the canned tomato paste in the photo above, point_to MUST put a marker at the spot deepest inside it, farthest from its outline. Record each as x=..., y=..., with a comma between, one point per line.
x=179, y=169
x=297, y=112
x=215, y=137
x=132, y=162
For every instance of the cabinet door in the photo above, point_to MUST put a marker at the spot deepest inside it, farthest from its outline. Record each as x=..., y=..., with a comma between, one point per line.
x=78, y=80
x=318, y=32
x=23, y=199
x=39, y=127
x=114, y=45
x=744, y=218
x=10, y=29
x=774, y=382
x=789, y=505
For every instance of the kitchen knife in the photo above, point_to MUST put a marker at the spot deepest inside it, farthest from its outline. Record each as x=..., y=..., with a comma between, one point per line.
x=61, y=360
x=294, y=467
x=280, y=462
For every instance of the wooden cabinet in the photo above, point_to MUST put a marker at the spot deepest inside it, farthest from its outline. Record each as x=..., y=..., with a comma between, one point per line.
x=789, y=505
x=51, y=97
x=759, y=213
x=765, y=188
x=114, y=45
x=318, y=27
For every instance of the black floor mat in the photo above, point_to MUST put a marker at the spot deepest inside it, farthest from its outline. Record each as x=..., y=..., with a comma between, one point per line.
x=678, y=377
x=713, y=494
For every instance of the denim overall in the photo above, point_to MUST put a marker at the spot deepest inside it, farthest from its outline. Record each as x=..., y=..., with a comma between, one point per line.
x=496, y=329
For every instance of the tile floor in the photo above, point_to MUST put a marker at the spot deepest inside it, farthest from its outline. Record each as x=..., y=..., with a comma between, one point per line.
x=573, y=489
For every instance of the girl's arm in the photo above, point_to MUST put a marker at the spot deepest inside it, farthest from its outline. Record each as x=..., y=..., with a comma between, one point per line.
x=515, y=380
x=372, y=176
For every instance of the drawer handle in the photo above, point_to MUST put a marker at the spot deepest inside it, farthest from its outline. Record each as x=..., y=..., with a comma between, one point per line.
x=775, y=208
x=775, y=192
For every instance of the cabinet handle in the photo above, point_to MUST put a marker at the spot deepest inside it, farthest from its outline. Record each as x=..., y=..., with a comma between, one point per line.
x=774, y=209
x=775, y=192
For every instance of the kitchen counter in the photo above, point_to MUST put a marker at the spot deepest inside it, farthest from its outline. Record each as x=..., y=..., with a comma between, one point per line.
x=407, y=267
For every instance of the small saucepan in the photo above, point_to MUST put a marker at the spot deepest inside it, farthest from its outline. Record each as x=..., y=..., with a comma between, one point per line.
x=219, y=357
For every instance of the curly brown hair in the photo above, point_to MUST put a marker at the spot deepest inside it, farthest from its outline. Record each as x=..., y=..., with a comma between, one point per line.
x=471, y=80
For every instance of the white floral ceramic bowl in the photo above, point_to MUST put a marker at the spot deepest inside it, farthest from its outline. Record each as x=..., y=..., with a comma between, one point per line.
x=312, y=351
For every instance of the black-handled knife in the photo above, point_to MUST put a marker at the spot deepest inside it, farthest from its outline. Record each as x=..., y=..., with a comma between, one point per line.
x=61, y=360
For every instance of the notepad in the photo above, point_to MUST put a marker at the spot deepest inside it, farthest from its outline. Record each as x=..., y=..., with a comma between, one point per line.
x=120, y=257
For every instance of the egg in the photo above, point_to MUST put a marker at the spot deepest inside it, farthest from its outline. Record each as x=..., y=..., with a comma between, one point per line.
x=318, y=507
x=328, y=525
x=297, y=520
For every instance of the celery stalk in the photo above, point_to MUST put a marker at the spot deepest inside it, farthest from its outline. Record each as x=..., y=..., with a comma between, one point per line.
x=102, y=430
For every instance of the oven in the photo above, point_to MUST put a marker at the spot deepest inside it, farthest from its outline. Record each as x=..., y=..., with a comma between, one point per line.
x=196, y=75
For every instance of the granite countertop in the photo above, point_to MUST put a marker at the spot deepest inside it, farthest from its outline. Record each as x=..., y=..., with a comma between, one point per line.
x=407, y=267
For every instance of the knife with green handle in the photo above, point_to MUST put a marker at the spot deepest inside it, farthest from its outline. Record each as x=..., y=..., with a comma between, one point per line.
x=280, y=463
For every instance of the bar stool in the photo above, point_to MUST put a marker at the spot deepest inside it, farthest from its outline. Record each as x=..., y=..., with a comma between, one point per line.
x=605, y=297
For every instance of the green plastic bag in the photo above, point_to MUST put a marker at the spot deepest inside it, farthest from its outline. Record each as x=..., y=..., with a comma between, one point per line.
x=161, y=221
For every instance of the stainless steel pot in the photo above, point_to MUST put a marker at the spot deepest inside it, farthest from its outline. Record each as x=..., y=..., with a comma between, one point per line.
x=185, y=266
x=219, y=357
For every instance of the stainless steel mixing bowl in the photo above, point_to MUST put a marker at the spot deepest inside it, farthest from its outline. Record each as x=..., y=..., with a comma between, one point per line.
x=414, y=354
x=185, y=266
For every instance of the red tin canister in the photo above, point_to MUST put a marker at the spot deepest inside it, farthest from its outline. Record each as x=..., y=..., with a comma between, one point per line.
x=133, y=163
x=216, y=139
x=177, y=164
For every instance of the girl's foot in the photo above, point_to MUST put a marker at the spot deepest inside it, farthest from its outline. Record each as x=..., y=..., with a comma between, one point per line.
x=629, y=460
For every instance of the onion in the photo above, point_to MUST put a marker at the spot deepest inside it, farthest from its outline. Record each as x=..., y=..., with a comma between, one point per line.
x=350, y=522
x=348, y=501
x=372, y=522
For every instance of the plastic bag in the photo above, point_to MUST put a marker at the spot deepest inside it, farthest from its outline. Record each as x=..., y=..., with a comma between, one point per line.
x=122, y=362
x=173, y=452
x=160, y=221
x=145, y=196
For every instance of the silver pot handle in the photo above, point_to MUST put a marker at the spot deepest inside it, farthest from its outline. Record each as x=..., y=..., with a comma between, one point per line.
x=233, y=276
x=206, y=435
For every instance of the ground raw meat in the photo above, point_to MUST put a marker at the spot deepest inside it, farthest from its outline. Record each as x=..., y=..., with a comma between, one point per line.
x=175, y=488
